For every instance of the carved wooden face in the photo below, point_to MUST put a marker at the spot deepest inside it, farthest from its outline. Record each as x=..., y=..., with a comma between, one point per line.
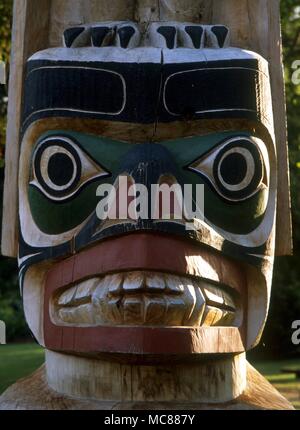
x=190, y=115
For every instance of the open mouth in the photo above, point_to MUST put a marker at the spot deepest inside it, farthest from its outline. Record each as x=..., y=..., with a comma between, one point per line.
x=142, y=298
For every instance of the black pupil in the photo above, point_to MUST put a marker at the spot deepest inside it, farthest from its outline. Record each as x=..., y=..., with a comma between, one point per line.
x=60, y=169
x=233, y=169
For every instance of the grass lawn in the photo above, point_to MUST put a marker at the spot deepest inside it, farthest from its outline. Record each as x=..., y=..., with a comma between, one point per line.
x=287, y=384
x=17, y=361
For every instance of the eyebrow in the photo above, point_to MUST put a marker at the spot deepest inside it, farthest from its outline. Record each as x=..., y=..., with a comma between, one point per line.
x=111, y=91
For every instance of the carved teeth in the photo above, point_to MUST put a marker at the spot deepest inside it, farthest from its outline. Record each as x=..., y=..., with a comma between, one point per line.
x=67, y=297
x=124, y=35
x=133, y=310
x=77, y=37
x=102, y=36
x=190, y=300
x=174, y=284
x=85, y=289
x=155, y=283
x=176, y=308
x=147, y=282
x=192, y=36
x=121, y=34
x=164, y=35
x=133, y=282
x=81, y=292
x=83, y=314
x=146, y=298
x=114, y=283
x=217, y=317
x=128, y=36
x=216, y=296
x=211, y=316
x=155, y=310
x=196, y=316
x=71, y=34
x=169, y=33
x=114, y=310
x=217, y=36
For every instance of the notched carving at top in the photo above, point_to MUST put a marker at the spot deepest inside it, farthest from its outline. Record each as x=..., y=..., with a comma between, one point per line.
x=165, y=35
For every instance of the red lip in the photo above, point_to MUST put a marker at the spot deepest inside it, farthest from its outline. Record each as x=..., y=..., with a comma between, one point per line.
x=147, y=251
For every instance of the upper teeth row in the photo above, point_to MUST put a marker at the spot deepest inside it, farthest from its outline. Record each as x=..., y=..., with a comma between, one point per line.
x=138, y=282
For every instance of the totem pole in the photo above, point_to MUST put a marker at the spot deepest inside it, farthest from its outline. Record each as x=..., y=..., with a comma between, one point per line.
x=146, y=313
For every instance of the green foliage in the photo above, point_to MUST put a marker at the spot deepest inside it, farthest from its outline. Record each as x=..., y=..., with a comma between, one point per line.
x=285, y=304
x=5, y=32
x=10, y=304
x=5, y=28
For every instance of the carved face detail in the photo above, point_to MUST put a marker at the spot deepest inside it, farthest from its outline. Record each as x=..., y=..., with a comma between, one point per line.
x=168, y=110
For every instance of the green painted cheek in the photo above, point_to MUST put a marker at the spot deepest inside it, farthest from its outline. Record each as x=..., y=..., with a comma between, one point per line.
x=57, y=218
x=224, y=215
x=241, y=218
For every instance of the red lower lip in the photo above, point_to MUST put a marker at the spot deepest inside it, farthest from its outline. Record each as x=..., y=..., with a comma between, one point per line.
x=145, y=251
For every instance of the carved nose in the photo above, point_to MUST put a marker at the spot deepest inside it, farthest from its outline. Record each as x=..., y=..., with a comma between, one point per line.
x=147, y=163
x=146, y=172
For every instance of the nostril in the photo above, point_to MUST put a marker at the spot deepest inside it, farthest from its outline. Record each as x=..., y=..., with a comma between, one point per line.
x=147, y=162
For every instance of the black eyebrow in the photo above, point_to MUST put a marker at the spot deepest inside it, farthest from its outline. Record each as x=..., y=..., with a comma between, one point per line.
x=132, y=92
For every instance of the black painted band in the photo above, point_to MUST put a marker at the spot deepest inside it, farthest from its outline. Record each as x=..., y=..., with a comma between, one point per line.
x=131, y=92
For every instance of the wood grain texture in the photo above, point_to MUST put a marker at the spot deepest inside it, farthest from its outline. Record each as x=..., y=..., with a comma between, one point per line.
x=68, y=13
x=31, y=18
x=170, y=10
x=33, y=393
x=33, y=300
x=207, y=381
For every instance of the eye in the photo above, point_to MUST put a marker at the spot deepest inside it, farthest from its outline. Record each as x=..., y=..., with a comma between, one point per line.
x=236, y=168
x=61, y=168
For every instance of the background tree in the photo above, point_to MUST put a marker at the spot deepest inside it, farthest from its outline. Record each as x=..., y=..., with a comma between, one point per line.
x=285, y=303
x=10, y=304
x=5, y=31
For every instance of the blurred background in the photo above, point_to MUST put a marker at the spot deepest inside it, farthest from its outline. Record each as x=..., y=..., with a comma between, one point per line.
x=276, y=355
